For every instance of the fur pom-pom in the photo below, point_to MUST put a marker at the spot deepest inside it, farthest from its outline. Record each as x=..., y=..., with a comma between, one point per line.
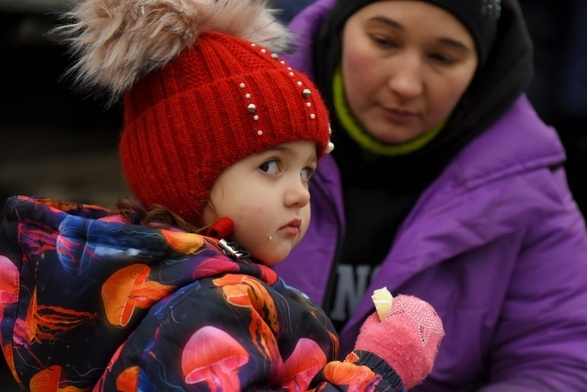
x=118, y=41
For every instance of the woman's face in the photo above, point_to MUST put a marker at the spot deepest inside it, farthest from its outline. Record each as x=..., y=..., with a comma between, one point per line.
x=405, y=66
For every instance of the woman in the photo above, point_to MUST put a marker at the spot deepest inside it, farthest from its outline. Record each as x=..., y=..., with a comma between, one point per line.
x=445, y=185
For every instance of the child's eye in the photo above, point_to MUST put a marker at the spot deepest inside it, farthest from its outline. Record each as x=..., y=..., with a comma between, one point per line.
x=306, y=174
x=270, y=167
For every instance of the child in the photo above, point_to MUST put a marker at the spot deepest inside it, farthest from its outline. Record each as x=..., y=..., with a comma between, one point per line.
x=220, y=138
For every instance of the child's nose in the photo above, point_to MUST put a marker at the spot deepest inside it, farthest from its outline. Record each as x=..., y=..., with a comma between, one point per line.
x=297, y=195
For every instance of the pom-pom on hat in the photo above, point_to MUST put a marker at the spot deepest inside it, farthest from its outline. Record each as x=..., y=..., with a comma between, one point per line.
x=202, y=89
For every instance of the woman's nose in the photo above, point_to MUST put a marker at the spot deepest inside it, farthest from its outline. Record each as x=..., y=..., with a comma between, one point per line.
x=405, y=77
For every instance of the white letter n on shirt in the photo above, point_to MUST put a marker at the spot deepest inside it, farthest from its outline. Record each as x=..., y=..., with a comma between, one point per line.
x=349, y=289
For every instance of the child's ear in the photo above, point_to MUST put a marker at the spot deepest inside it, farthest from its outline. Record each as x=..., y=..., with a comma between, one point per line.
x=222, y=228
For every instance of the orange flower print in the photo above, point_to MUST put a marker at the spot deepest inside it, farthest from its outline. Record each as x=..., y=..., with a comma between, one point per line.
x=128, y=380
x=47, y=322
x=247, y=292
x=49, y=380
x=184, y=243
x=8, y=284
x=358, y=378
x=213, y=356
x=129, y=288
x=46, y=380
x=303, y=364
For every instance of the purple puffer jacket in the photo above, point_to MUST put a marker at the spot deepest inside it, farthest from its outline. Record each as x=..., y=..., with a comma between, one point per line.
x=496, y=244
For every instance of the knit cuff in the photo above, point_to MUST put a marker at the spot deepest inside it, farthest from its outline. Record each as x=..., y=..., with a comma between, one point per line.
x=381, y=367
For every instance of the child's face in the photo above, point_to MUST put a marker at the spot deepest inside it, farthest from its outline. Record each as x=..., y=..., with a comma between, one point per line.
x=405, y=66
x=266, y=195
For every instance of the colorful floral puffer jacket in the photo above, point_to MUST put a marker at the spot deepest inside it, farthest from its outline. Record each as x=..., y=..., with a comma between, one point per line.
x=91, y=302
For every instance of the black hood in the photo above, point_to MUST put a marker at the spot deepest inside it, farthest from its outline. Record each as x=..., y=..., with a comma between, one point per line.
x=496, y=85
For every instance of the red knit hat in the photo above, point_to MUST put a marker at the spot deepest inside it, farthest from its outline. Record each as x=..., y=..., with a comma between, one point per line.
x=219, y=99
x=219, y=102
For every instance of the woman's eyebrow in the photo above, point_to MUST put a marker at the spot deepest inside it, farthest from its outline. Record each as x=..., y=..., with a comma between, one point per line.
x=455, y=44
x=392, y=23
x=387, y=21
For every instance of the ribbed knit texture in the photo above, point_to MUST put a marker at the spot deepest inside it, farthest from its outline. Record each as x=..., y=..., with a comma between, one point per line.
x=186, y=123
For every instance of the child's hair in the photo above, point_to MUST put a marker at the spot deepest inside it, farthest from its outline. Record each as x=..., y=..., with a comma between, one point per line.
x=202, y=89
x=154, y=216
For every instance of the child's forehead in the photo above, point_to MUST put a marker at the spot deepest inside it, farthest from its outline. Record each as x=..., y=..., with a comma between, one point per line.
x=305, y=147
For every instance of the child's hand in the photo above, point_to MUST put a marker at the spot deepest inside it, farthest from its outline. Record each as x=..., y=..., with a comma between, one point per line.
x=407, y=339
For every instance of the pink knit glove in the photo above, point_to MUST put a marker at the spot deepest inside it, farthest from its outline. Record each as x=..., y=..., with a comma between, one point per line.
x=407, y=339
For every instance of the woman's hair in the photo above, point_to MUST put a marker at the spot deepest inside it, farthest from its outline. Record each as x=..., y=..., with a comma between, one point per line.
x=154, y=216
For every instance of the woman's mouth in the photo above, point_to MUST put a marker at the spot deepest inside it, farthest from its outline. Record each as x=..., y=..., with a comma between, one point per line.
x=399, y=115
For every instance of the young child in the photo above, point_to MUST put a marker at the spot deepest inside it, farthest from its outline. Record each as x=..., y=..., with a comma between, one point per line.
x=219, y=143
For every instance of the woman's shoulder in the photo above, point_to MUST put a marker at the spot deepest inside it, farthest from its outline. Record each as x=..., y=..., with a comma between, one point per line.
x=509, y=173
x=517, y=143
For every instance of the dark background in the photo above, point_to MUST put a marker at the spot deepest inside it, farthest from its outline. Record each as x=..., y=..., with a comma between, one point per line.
x=53, y=142
x=60, y=144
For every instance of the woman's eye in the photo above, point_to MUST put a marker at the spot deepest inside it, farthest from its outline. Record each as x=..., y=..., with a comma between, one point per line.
x=382, y=40
x=441, y=58
x=270, y=167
